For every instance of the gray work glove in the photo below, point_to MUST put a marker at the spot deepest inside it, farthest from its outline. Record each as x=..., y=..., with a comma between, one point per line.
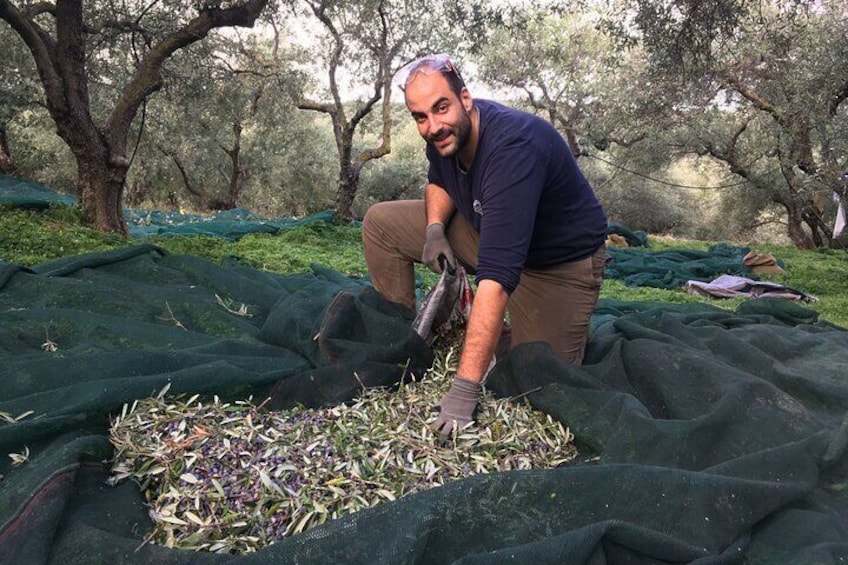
x=457, y=407
x=436, y=245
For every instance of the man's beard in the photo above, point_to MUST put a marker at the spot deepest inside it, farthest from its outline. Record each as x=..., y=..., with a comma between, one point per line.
x=461, y=131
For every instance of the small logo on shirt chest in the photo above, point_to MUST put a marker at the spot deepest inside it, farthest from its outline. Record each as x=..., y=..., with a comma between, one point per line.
x=478, y=207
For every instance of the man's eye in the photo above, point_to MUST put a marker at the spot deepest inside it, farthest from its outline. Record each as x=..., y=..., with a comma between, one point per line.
x=442, y=108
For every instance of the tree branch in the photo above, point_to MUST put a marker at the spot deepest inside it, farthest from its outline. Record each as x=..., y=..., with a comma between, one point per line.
x=70, y=54
x=316, y=106
x=751, y=95
x=38, y=8
x=758, y=101
x=728, y=156
x=189, y=186
x=385, y=146
x=796, y=127
x=43, y=49
x=627, y=142
x=320, y=11
x=366, y=107
x=734, y=141
x=148, y=78
x=380, y=78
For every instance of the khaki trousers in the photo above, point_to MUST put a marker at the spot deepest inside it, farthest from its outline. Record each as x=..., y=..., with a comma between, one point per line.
x=551, y=305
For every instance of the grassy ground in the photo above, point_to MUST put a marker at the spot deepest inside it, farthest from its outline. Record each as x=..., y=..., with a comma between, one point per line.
x=32, y=237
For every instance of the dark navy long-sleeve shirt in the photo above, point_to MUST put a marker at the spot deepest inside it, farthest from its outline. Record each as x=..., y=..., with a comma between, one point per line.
x=524, y=193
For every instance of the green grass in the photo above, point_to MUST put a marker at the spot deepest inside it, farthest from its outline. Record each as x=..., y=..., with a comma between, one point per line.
x=32, y=237
x=289, y=251
x=29, y=237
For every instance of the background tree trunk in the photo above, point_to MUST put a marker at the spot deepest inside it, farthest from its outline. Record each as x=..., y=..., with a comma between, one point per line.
x=101, y=190
x=795, y=225
x=7, y=166
x=348, y=183
x=237, y=175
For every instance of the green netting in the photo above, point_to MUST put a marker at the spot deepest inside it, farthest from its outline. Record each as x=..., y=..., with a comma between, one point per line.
x=672, y=268
x=29, y=194
x=707, y=436
x=229, y=224
x=634, y=238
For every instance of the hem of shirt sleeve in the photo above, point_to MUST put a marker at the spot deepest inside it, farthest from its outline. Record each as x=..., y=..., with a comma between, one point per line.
x=508, y=286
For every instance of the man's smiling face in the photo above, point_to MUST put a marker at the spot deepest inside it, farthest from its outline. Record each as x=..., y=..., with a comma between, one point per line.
x=442, y=117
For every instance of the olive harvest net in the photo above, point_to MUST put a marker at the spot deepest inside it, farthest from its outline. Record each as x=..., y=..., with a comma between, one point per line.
x=228, y=224
x=705, y=435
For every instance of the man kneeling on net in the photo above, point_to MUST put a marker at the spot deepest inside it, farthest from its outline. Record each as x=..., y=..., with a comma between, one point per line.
x=505, y=199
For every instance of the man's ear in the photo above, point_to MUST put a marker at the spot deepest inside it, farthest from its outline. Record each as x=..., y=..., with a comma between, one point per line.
x=467, y=100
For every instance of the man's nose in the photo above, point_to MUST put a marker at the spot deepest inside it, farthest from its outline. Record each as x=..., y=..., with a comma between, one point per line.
x=434, y=125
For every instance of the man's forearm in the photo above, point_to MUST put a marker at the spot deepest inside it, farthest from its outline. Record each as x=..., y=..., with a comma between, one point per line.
x=438, y=203
x=483, y=331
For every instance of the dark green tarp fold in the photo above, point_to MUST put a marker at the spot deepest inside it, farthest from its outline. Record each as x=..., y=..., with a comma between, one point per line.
x=671, y=269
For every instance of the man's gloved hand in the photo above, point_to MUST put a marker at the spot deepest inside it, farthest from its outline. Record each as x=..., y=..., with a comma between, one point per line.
x=436, y=245
x=457, y=407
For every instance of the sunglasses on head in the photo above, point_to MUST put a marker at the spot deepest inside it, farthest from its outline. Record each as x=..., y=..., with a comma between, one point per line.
x=428, y=65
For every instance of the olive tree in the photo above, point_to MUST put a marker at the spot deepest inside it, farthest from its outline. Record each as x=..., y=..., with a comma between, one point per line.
x=18, y=93
x=771, y=84
x=359, y=45
x=567, y=77
x=221, y=136
x=72, y=41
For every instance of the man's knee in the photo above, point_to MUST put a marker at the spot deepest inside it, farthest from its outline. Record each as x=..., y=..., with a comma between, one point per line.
x=375, y=218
